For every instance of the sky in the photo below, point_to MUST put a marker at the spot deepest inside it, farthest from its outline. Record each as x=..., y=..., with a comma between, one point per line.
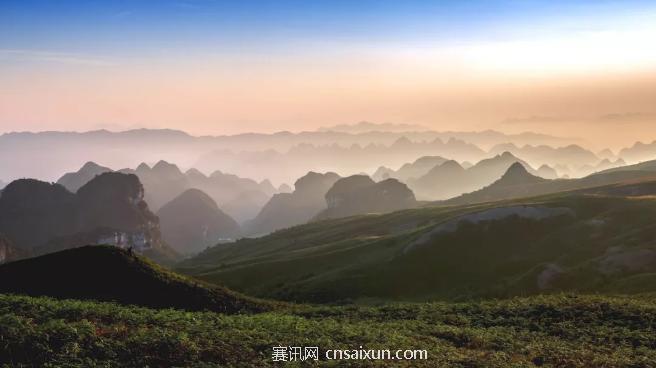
x=585, y=68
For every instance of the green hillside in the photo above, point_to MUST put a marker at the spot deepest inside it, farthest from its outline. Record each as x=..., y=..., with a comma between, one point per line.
x=571, y=242
x=111, y=274
x=549, y=331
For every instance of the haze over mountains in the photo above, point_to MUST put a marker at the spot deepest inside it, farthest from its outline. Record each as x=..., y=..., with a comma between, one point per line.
x=283, y=157
x=240, y=197
x=408, y=169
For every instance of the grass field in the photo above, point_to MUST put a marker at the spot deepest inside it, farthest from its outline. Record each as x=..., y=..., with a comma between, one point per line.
x=595, y=245
x=550, y=331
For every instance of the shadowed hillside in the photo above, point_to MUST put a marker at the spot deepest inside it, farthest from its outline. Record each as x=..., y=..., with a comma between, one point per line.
x=192, y=221
x=111, y=274
x=39, y=217
x=517, y=182
x=288, y=209
x=359, y=194
x=562, y=242
x=450, y=179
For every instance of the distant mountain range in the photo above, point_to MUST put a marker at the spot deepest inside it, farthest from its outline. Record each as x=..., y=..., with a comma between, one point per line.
x=281, y=157
x=517, y=182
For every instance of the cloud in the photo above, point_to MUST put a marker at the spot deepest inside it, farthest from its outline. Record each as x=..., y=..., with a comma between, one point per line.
x=22, y=55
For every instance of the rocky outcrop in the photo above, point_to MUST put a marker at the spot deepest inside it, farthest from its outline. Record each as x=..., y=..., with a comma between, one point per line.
x=8, y=251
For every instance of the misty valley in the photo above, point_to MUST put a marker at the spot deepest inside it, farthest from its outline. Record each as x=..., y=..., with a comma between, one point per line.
x=327, y=183
x=461, y=255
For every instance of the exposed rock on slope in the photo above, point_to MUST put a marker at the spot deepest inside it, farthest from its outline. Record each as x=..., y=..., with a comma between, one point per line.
x=8, y=251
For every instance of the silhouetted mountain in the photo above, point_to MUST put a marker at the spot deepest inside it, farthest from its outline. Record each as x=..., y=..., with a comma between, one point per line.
x=359, y=194
x=111, y=274
x=32, y=212
x=347, y=159
x=284, y=188
x=517, y=182
x=603, y=165
x=410, y=171
x=163, y=182
x=279, y=156
x=572, y=155
x=382, y=173
x=74, y=180
x=240, y=197
x=648, y=166
x=606, y=154
x=639, y=152
x=246, y=205
x=545, y=171
x=2, y=184
x=288, y=209
x=192, y=221
x=450, y=179
x=45, y=217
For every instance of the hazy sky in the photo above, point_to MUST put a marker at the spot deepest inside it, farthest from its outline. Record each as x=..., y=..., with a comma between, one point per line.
x=218, y=67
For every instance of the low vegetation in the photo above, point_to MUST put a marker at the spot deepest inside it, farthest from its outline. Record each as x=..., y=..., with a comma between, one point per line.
x=550, y=331
x=574, y=242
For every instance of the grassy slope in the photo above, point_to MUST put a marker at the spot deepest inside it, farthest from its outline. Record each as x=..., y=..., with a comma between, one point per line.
x=552, y=331
x=112, y=274
x=363, y=256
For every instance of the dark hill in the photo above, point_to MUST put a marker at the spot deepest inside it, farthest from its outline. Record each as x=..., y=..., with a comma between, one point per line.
x=40, y=217
x=111, y=274
x=192, y=221
x=450, y=179
x=518, y=175
x=359, y=194
x=32, y=212
x=288, y=209
x=165, y=181
x=517, y=182
x=75, y=180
